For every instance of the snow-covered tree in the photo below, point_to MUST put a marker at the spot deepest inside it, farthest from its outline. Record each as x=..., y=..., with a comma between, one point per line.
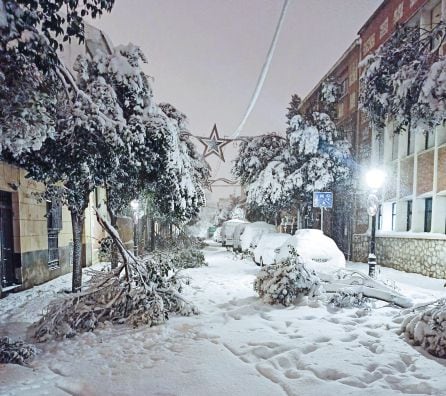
x=313, y=156
x=74, y=163
x=293, y=107
x=179, y=189
x=319, y=155
x=31, y=73
x=403, y=81
x=254, y=155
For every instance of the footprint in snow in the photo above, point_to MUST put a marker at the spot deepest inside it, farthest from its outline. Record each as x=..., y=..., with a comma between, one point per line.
x=349, y=338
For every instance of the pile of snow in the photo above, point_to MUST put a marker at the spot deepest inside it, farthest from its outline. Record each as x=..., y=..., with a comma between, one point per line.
x=428, y=328
x=285, y=283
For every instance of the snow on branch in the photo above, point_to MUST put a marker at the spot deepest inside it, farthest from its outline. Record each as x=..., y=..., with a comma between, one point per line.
x=426, y=326
x=145, y=295
x=404, y=80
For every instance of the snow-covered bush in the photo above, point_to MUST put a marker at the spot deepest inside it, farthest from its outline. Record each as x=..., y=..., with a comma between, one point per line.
x=286, y=282
x=189, y=258
x=427, y=328
x=17, y=352
x=349, y=299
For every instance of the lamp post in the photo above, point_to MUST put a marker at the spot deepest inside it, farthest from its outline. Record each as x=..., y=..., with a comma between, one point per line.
x=375, y=179
x=135, y=208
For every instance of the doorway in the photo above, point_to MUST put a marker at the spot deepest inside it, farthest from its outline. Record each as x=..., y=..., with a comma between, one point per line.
x=7, y=272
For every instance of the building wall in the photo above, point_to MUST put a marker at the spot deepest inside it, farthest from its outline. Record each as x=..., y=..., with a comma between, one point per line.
x=30, y=230
x=414, y=166
x=415, y=254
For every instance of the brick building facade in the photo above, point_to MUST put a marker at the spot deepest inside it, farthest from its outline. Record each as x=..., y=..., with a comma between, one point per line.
x=411, y=222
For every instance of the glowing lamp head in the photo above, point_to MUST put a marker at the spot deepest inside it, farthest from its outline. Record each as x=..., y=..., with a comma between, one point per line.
x=375, y=178
x=134, y=204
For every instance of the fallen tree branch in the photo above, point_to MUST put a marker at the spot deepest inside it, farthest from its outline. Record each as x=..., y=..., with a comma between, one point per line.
x=147, y=293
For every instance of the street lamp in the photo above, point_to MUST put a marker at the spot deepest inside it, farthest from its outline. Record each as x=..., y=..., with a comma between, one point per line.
x=375, y=179
x=135, y=208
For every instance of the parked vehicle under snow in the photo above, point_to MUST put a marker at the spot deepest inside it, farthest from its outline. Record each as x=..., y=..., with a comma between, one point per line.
x=318, y=250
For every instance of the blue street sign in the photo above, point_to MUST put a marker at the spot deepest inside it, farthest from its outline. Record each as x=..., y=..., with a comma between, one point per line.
x=322, y=199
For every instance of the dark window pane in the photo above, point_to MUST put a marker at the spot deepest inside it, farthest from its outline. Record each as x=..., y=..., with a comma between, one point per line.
x=393, y=215
x=379, y=218
x=409, y=215
x=427, y=214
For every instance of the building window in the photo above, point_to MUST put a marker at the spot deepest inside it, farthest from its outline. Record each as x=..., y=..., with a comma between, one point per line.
x=97, y=199
x=380, y=148
x=429, y=140
x=352, y=100
x=368, y=44
x=341, y=110
x=398, y=13
x=393, y=216
x=384, y=28
x=54, y=225
x=395, y=140
x=427, y=214
x=343, y=87
x=409, y=216
x=353, y=76
x=410, y=141
x=379, y=218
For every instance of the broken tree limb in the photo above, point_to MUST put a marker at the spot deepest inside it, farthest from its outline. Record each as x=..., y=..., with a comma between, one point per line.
x=147, y=294
x=379, y=294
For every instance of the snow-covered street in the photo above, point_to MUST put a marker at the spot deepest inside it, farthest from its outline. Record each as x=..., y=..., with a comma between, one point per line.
x=237, y=345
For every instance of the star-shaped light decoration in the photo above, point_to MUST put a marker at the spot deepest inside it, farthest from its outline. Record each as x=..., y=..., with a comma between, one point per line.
x=214, y=144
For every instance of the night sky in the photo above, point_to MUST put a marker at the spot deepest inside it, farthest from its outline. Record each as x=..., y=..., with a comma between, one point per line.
x=205, y=55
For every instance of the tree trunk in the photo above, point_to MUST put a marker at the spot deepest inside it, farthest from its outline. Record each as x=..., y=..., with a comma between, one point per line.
x=77, y=225
x=152, y=234
x=114, y=249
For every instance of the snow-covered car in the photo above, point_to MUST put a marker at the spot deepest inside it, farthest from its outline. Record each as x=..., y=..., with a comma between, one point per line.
x=238, y=231
x=217, y=235
x=318, y=250
x=227, y=231
x=252, y=234
x=268, y=247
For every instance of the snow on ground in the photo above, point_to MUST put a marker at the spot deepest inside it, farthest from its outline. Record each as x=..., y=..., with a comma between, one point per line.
x=237, y=345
